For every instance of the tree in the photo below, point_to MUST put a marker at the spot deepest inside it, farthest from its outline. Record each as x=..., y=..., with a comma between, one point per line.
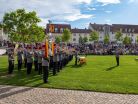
x=66, y=35
x=81, y=40
x=137, y=39
x=85, y=39
x=57, y=39
x=106, y=39
x=22, y=26
x=127, y=40
x=94, y=36
x=0, y=25
x=118, y=36
x=36, y=34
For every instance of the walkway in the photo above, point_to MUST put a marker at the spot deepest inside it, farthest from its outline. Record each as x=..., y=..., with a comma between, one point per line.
x=28, y=95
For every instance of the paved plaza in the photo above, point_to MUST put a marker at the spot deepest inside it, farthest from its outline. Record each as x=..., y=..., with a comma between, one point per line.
x=29, y=95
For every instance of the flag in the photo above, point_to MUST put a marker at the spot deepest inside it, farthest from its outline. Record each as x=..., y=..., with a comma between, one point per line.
x=46, y=48
x=15, y=49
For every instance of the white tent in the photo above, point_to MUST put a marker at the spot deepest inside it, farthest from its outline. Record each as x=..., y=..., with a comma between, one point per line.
x=2, y=51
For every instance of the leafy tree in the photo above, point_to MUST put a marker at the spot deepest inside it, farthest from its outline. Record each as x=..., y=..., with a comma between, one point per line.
x=137, y=39
x=106, y=39
x=57, y=39
x=22, y=26
x=127, y=40
x=0, y=25
x=85, y=39
x=66, y=35
x=81, y=40
x=36, y=34
x=118, y=36
x=94, y=36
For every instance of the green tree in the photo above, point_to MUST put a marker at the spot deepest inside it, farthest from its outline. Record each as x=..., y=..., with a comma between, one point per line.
x=94, y=36
x=66, y=35
x=21, y=25
x=36, y=34
x=81, y=40
x=85, y=39
x=106, y=39
x=0, y=25
x=118, y=36
x=137, y=39
x=127, y=40
x=57, y=39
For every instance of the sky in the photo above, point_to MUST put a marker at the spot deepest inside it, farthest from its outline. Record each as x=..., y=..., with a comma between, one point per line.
x=78, y=13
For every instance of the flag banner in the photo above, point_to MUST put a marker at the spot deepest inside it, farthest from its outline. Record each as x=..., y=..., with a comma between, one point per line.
x=53, y=48
x=15, y=49
x=46, y=49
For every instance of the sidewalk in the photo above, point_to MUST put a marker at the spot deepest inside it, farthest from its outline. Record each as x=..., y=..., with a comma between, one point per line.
x=29, y=95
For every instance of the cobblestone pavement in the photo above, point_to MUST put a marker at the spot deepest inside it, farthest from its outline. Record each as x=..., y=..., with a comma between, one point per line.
x=28, y=95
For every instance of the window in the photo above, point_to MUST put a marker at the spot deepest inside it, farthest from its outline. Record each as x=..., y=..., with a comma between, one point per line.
x=56, y=29
x=129, y=30
x=74, y=34
x=120, y=29
x=74, y=39
x=133, y=30
x=61, y=30
x=126, y=30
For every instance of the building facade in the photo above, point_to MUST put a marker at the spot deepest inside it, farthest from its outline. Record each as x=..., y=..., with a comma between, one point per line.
x=57, y=30
x=76, y=33
x=102, y=29
x=105, y=29
x=3, y=36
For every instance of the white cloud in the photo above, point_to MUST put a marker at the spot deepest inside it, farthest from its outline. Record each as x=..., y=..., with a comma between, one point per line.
x=84, y=1
x=132, y=1
x=106, y=2
x=71, y=17
x=91, y=8
x=66, y=10
x=108, y=21
x=108, y=11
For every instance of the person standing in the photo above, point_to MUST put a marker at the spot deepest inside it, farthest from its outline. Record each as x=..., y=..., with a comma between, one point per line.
x=19, y=58
x=40, y=61
x=76, y=57
x=36, y=59
x=60, y=60
x=25, y=57
x=29, y=61
x=11, y=61
x=45, y=65
x=54, y=61
x=117, y=56
x=57, y=61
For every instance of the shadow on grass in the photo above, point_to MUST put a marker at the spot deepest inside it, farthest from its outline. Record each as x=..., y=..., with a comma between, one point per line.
x=19, y=77
x=6, y=92
x=76, y=66
x=111, y=68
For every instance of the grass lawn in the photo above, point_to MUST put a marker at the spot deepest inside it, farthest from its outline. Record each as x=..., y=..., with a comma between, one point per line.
x=100, y=74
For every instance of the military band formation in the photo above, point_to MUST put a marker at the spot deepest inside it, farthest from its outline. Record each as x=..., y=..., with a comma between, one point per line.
x=43, y=58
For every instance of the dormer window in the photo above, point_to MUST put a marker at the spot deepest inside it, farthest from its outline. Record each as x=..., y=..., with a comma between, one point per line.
x=126, y=30
x=61, y=30
x=133, y=30
x=56, y=29
x=129, y=30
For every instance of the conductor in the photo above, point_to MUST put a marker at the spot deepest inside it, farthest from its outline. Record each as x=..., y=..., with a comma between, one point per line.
x=117, y=56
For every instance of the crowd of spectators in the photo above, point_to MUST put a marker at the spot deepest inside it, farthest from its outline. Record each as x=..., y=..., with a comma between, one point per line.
x=95, y=48
x=107, y=49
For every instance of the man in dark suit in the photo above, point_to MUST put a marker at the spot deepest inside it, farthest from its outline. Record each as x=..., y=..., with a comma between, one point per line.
x=117, y=56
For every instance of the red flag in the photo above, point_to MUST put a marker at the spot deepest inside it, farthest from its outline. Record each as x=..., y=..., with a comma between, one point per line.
x=46, y=49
